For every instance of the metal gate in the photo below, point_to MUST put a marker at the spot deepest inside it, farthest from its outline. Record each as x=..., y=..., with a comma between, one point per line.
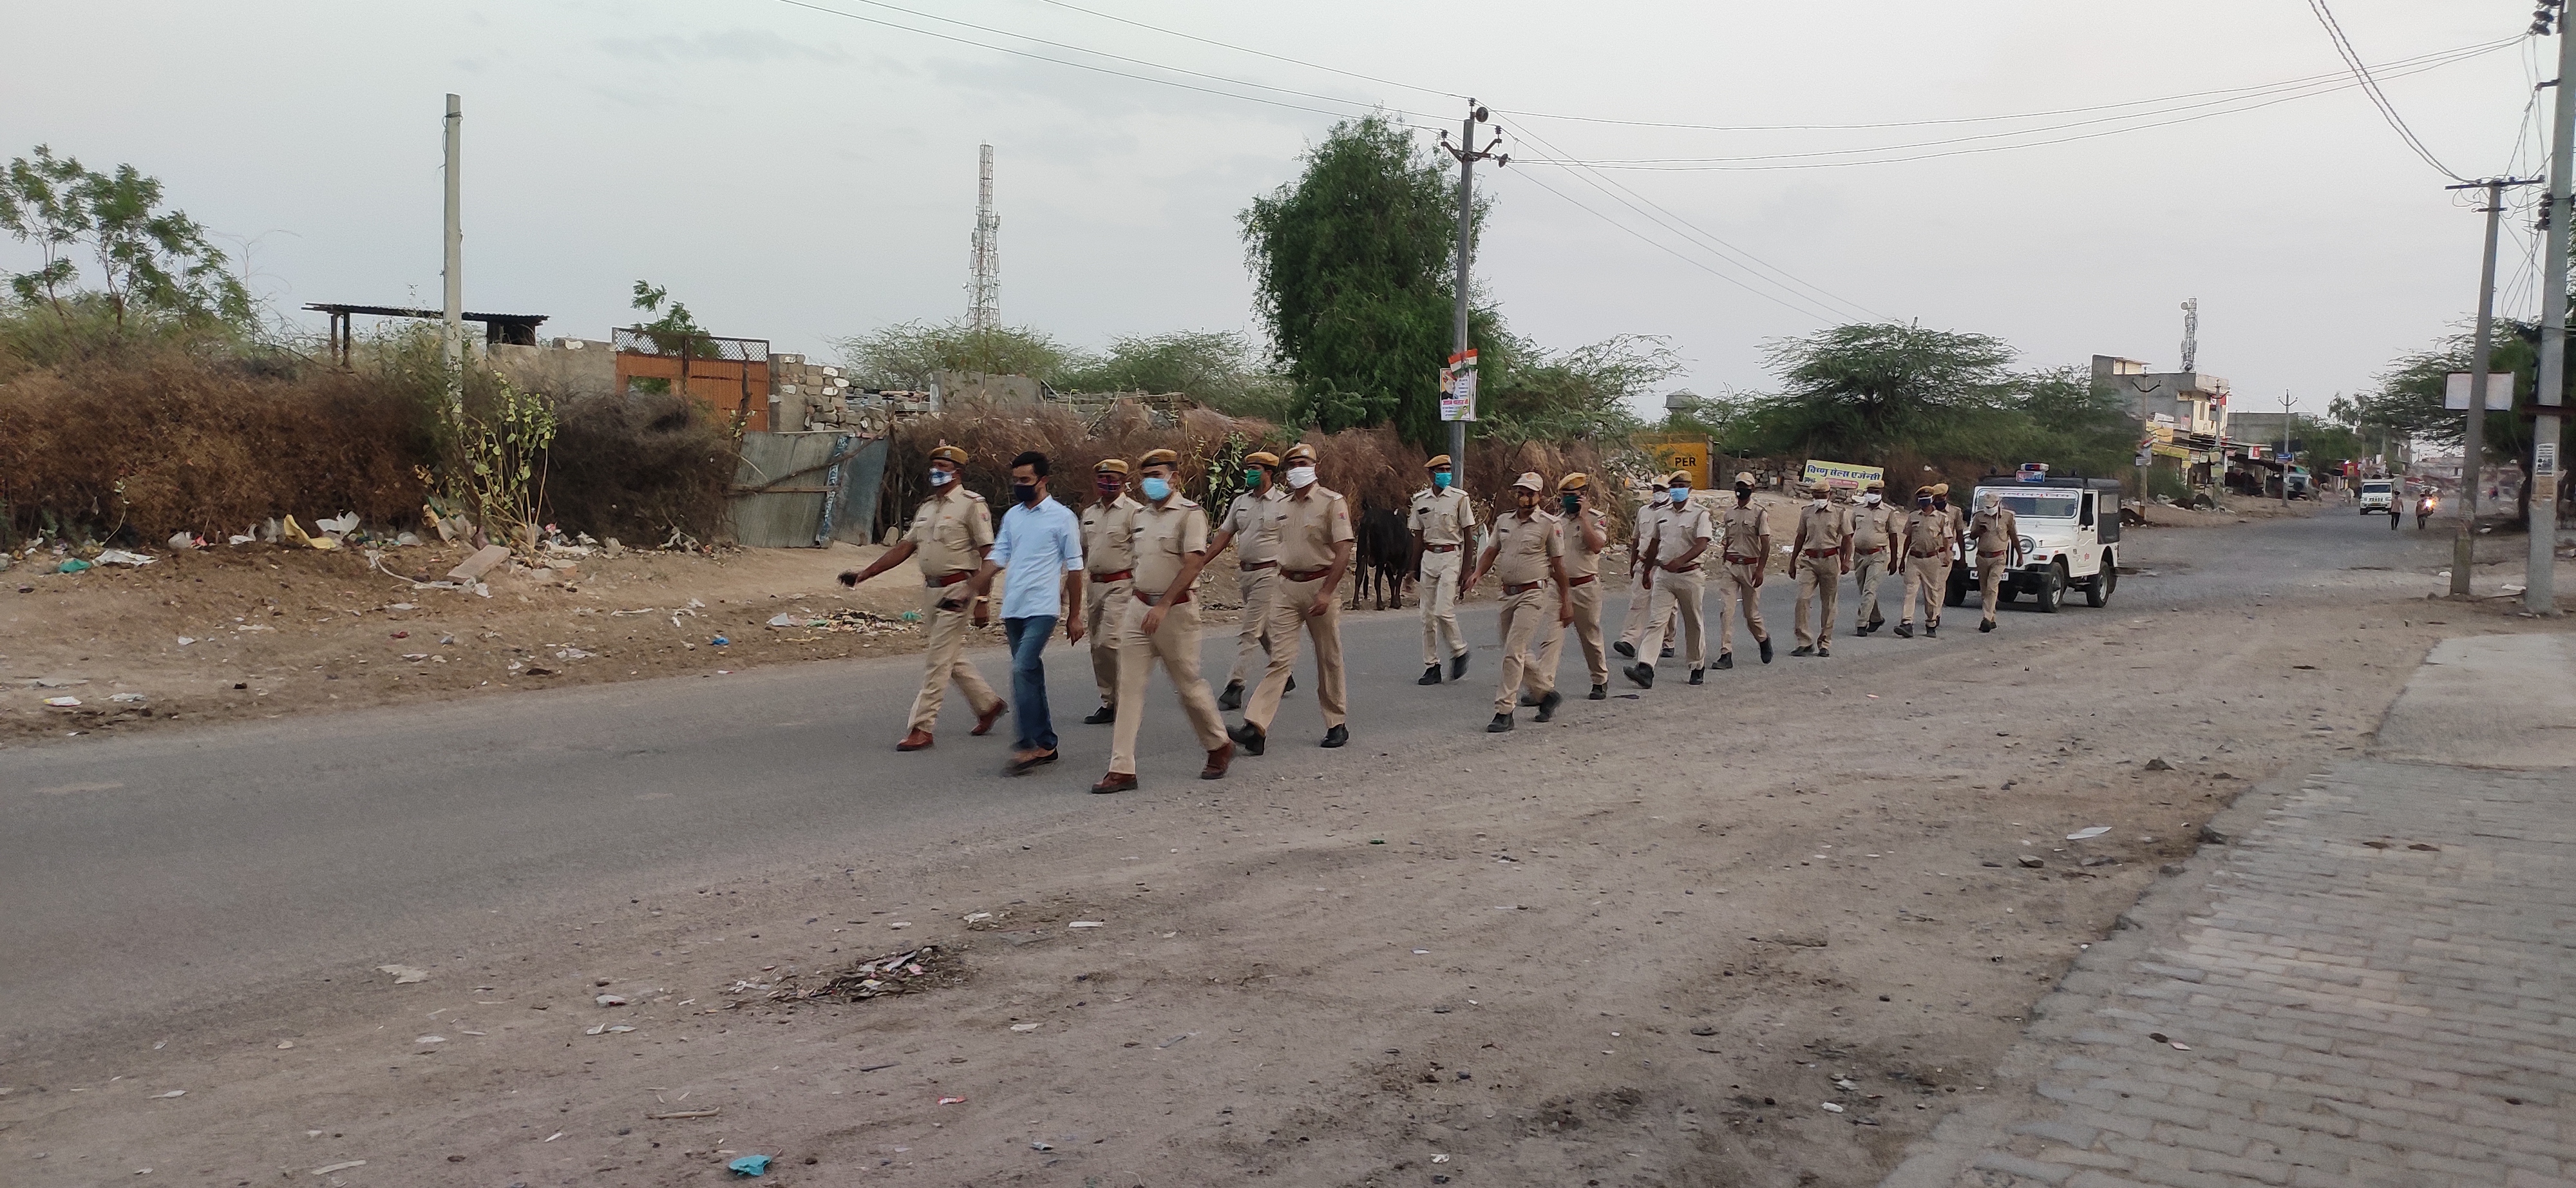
x=803, y=490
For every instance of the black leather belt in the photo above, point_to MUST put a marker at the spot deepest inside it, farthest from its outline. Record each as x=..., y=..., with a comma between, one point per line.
x=1307, y=576
x=1155, y=598
x=1582, y=579
x=1120, y=576
x=1249, y=566
x=1515, y=591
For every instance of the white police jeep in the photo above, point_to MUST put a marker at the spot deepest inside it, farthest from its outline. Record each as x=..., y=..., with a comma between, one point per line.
x=2070, y=536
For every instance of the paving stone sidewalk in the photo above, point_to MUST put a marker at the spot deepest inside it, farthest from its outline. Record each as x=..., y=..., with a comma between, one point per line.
x=2370, y=988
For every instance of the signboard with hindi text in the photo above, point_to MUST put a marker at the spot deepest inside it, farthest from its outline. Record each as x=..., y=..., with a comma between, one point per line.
x=1458, y=388
x=1842, y=475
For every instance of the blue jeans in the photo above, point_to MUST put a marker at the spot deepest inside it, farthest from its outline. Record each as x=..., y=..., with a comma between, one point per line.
x=1028, y=637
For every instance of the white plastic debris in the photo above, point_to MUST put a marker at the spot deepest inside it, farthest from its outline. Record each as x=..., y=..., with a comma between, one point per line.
x=185, y=640
x=2088, y=833
x=122, y=557
x=1832, y=1108
x=1086, y=924
x=404, y=975
x=610, y=1000
x=173, y=1093
x=63, y=702
x=1024, y=1028
x=340, y=525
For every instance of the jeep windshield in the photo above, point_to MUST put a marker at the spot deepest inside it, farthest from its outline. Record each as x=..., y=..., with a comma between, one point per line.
x=2380, y=487
x=2040, y=504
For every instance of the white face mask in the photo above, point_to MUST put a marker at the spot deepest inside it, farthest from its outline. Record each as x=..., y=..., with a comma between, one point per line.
x=1301, y=477
x=1870, y=499
x=939, y=478
x=1820, y=501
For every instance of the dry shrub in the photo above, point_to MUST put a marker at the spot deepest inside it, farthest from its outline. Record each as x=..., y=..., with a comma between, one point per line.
x=637, y=466
x=205, y=446
x=1209, y=443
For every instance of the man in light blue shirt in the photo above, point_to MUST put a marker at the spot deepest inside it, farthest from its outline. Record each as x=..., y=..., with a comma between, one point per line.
x=1039, y=552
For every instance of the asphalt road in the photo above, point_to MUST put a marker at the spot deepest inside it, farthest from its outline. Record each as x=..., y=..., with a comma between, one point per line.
x=190, y=868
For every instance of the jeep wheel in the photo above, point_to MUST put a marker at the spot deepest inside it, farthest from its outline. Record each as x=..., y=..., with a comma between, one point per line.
x=2098, y=591
x=2050, y=590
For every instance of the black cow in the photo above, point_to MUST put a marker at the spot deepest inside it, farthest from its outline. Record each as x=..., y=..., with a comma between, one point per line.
x=1381, y=558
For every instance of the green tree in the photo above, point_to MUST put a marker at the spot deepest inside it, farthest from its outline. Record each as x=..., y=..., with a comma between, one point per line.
x=1354, y=270
x=1590, y=391
x=1217, y=368
x=150, y=261
x=904, y=356
x=2408, y=403
x=1859, y=390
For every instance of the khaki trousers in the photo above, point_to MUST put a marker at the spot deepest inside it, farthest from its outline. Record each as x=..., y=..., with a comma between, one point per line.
x=1820, y=581
x=1522, y=617
x=1288, y=603
x=1639, y=599
x=1868, y=570
x=1104, y=604
x=1738, y=594
x=945, y=661
x=1990, y=572
x=1252, y=635
x=1176, y=644
x=1439, y=593
x=1587, y=631
x=1676, y=594
x=1928, y=579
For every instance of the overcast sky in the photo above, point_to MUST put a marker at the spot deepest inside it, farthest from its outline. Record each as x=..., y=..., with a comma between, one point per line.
x=798, y=176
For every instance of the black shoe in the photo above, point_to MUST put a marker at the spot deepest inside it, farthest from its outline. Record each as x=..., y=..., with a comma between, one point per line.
x=1931, y=630
x=1502, y=723
x=1527, y=701
x=1766, y=650
x=1987, y=625
x=1802, y=650
x=1698, y=676
x=1457, y=666
x=1905, y=631
x=1624, y=648
x=1109, y=713
x=1430, y=676
x=1547, y=705
x=1291, y=686
x=1726, y=659
x=1599, y=693
x=1232, y=698
x=1248, y=737
x=1643, y=674
x=1823, y=652
x=1666, y=654
x=1336, y=736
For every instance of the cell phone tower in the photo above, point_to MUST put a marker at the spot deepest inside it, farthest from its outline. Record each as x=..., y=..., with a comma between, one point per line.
x=2190, y=328
x=984, y=258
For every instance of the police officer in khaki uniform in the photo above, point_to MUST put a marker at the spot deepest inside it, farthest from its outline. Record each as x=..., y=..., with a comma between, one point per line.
x=1315, y=544
x=1996, y=533
x=1927, y=549
x=1168, y=537
x=950, y=532
x=1955, y=551
x=1673, y=558
x=1441, y=518
x=1251, y=524
x=1587, y=534
x=1527, y=552
x=1744, y=552
x=1104, y=603
x=1878, y=534
x=1640, y=597
x=1822, y=550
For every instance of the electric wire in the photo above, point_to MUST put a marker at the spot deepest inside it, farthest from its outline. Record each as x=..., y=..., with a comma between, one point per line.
x=2388, y=111
x=1384, y=82
x=1809, y=309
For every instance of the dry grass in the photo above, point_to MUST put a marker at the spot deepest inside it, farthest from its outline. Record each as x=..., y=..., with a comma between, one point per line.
x=637, y=466
x=168, y=443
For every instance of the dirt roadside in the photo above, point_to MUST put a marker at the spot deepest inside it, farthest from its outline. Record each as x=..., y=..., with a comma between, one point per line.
x=1651, y=950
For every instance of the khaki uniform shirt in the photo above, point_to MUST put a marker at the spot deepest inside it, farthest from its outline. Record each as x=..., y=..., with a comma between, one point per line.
x=1162, y=538
x=1442, y=517
x=1105, y=545
x=1522, y=548
x=1927, y=532
x=1993, y=532
x=1309, y=527
x=947, y=531
x=1254, y=521
x=1677, y=530
x=1580, y=561
x=1823, y=527
x=1745, y=527
x=1876, y=527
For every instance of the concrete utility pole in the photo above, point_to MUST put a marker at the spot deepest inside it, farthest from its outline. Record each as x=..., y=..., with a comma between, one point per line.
x=454, y=272
x=2538, y=593
x=1468, y=154
x=2473, y=443
x=2286, y=402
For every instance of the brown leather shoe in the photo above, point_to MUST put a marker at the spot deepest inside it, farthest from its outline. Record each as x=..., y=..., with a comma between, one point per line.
x=918, y=740
x=984, y=721
x=1218, y=760
x=1116, y=781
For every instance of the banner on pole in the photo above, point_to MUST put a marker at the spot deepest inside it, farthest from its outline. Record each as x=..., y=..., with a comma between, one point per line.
x=1841, y=474
x=1458, y=388
x=2455, y=397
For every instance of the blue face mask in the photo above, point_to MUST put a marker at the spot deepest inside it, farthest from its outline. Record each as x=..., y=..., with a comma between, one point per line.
x=1681, y=495
x=1439, y=480
x=1156, y=489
